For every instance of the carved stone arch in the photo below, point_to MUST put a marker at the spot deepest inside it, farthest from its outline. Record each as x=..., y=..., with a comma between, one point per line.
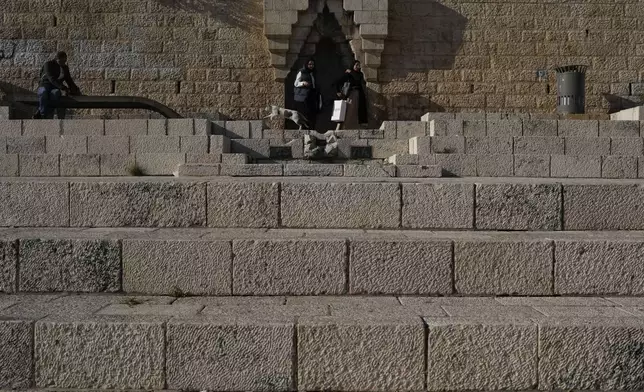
x=289, y=22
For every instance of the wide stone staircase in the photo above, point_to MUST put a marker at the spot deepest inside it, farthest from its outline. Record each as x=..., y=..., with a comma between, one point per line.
x=233, y=278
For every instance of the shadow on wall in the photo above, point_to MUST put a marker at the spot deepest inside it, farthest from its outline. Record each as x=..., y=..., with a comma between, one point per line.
x=617, y=103
x=424, y=35
x=245, y=14
x=18, y=111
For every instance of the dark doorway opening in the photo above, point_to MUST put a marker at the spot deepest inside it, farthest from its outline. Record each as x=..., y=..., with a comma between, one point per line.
x=333, y=55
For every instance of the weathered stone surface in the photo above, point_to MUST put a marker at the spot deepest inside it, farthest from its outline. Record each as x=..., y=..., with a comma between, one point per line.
x=138, y=204
x=130, y=127
x=531, y=165
x=603, y=207
x=197, y=170
x=26, y=145
x=181, y=127
x=237, y=204
x=597, y=363
x=229, y=354
x=252, y=170
x=314, y=170
x=369, y=171
x=579, y=128
x=538, y=145
x=8, y=264
x=438, y=206
x=39, y=165
x=150, y=310
x=409, y=129
x=419, y=171
x=155, y=144
x=599, y=267
x=475, y=128
x=238, y=129
x=80, y=165
x=587, y=145
x=448, y=145
x=518, y=206
x=157, y=127
x=35, y=204
x=386, y=354
x=409, y=267
x=117, y=165
x=445, y=127
x=404, y=159
x=382, y=149
x=219, y=144
x=456, y=165
x=504, y=128
x=40, y=127
x=483, y=267
x=627, y=146
x=83, y=127
x=570, y=166
x=338, y=205
x=494, y=165
x=481, y=355
x=16, y=364
x=66, y=144
x=10, y=127
x=9, y=165
x=485, y=145
x=114, y=145
x=608, y=128
x=100, y=353
x=159, y=164
x=70, y=265
x=289, y=267
x=195, y=144
x=619, y=167
x=170, y=267
x=534, y=127
x=234, y=159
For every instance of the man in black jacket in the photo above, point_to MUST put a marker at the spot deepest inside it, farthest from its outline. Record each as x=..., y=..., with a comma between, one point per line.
x=53, y=77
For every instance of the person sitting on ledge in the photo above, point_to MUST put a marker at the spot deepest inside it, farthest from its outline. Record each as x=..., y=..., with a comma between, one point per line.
x=53, y=77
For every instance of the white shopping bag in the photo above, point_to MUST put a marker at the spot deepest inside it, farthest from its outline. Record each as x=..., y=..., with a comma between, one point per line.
x=339, y=111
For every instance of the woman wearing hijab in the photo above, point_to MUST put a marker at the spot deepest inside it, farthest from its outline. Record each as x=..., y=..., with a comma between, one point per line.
x=306, y=93
x=352, y=88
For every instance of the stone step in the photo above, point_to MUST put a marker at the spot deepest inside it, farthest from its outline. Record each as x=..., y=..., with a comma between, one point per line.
x=316, y=262
x=320, y=343
x=325, y=202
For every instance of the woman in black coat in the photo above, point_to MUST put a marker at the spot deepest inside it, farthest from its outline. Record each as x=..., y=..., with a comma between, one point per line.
x=306, y=93
x=353, y=84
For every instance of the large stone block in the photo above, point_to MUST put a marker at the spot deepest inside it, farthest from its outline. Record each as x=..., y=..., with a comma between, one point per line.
x=39, y=165
x=252, y=170
x=80, y=165
x=154, y=164
x=587, y=145
x=603, y=207
x=605, y=353
x=100, y=353
x=289, y=267
x=486, y=145
x=339, y=205
x=475, y=128
x=518, y=207
x=117, y=165
x=243, y=204
x=126, y=127
x=504, y=128
x=537, y=127
x=34, y=204
x=571, y=166
x=627, y=146
x=113, y=145
x=138, y=204
x=10, y=127
x=195, y=144
x=168, y=267
x=360, y=354
x=369, y=171
x=26, y=145
x=609, y=128
x=83, y=127
x=8, y=266
x=384, y=148
x=539, y=145
x=203, y=126
x=595, y=267
x=438, y=206
x=238, y=129
x=232, y=354
x=158, y=127
x=409, y=267
x=234, y=159
x=531, y=165
x=16, y=363
x=255, y=148
x=314, y=170
x=483, y=267
x=419, y=171
x=155, y=144
x=495, y=165
x=219, y=144
x=409, y=129
x=448, y=145
x=41, y=127
x=447, y=127
x=197, y=170
x=9, y=165
x=70, y=265
x=181, y=127
x=66, y=144
x=456, y=165
x=481, y=355
x=579, y=128
x=619, y=167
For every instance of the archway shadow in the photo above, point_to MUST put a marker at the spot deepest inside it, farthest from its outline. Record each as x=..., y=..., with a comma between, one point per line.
x=423, y=36
x=245, y=14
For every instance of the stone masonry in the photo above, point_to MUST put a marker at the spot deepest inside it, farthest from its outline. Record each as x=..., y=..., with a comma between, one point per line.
x=212, y=57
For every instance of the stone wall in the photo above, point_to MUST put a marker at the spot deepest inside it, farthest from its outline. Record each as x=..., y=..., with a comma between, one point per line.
x=211, y=56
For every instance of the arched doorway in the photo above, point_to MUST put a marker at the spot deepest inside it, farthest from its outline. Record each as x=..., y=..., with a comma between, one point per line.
x=328, y=46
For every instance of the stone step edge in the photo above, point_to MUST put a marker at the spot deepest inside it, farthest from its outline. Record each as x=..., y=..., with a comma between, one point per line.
x=509, y=347
x=285, y=262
